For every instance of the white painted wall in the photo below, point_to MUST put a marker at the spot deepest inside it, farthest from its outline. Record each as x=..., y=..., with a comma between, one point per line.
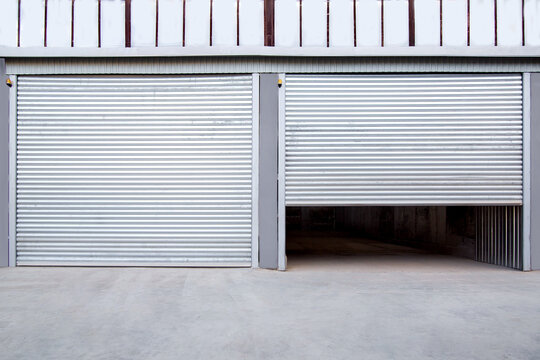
x=427, y=22
x=509, y=17
x=170, y=23
x=32, y=23
x=85, y=23
x=224, y=28
x=482, y=22
x=368, y=22
x=197, y=22
x=532, y=22
x=455, y=22
x=112, y=23
x=59, y=23
x=287, y=23
x=314, y=23
x=143, y=23
x=396, y=23
x=341, y=23
x=251, y=22
x=8, y=25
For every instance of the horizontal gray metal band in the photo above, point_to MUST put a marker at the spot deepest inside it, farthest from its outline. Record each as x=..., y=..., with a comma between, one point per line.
x=272, y=64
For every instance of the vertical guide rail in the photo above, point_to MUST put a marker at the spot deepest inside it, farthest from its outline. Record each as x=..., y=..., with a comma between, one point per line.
x=255, y=173
x=12, y=230
x=526, y=243
x=282, y=259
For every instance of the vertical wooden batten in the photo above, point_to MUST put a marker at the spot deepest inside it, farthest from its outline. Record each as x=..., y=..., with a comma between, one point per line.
x=327, y=23
x=382, y=23
x=440, y=22
x=300, y=15
x=412, y=30
x=45, y=24
x=99, y=23
x=468, y=22
x=495, y=20
x=183, y=22
x=157, y=22
x=269, y=33
x=354, y=22
x=522, y=22
x=211, y=20
x=128, y=23
x=72, y=23
x=19, y=24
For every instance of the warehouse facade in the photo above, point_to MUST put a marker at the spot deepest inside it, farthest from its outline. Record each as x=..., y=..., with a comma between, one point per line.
x=182, y=140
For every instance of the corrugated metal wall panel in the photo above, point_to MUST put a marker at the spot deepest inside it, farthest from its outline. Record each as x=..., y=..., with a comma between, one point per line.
x=499, y=235
x=262, y=64
x=134, y=170
x=403, y=139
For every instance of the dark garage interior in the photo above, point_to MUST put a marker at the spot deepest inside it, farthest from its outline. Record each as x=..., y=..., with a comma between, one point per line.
x=380, y=231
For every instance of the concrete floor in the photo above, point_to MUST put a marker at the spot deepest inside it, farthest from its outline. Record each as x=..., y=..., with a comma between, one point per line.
x=390, y=305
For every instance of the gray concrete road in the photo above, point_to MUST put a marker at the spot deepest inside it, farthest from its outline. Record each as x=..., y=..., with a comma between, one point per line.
x=409, y=306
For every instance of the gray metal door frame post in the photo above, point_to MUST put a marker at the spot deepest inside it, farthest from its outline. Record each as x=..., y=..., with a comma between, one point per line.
x=268, y=170
x=282, y=256
x=4, y=166
x=532, y=229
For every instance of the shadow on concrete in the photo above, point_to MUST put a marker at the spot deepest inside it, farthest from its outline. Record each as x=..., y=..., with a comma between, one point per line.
x=338, y=251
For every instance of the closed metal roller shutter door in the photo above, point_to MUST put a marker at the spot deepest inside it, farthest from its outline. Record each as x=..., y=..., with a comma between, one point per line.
x=134, y=170
x=403, y=139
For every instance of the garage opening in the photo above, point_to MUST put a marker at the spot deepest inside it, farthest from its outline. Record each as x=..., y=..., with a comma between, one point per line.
x=404, y=233
x=438, y=157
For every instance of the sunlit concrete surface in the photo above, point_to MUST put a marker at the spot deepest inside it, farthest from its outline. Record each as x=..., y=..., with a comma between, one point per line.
x=389, y=304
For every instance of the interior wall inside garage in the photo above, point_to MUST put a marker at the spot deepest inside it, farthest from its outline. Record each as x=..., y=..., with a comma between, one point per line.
x=446, y=230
